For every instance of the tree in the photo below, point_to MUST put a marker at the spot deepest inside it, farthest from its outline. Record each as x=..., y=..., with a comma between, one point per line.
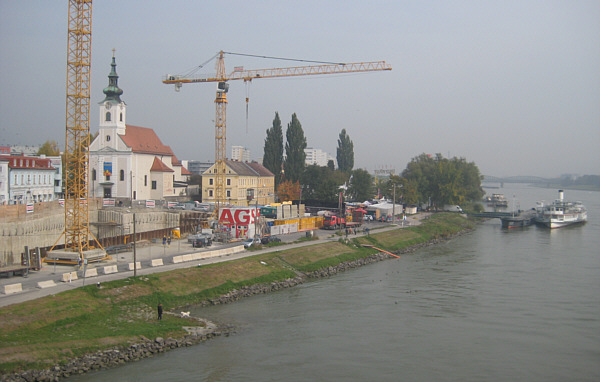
x=443, y=181
x=288, y=190
x=50, y=149
x=331, y=165
x=360, y=187
x=294, y=150
x=321, y=185
x=345, y=153
x=273, y=151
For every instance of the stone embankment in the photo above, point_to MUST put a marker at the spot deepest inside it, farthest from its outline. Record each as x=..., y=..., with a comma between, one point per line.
x=148, y=348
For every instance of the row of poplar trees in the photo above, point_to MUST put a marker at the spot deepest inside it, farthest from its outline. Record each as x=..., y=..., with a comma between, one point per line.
x=312, y=184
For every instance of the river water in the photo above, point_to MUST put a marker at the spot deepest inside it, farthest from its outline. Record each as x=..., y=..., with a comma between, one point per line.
x=491, y=305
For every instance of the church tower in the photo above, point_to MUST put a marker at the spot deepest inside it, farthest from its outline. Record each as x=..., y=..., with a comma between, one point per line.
x=113, y=111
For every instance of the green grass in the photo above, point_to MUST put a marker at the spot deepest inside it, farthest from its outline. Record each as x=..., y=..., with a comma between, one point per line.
x=51, y=330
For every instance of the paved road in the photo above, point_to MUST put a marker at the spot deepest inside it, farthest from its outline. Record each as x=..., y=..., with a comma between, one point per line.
x=146, y=253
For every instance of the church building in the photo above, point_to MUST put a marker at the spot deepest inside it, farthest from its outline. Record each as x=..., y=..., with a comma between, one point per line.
x=131, y=162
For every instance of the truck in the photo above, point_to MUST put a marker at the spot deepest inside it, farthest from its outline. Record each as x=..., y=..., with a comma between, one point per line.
x=333, y=222
x=453, y=208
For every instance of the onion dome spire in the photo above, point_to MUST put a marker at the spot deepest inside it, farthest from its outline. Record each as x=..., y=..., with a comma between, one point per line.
x=112, y=91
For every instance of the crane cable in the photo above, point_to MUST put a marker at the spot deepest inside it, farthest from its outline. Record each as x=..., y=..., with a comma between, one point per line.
x=284, y=59
x=247, y=83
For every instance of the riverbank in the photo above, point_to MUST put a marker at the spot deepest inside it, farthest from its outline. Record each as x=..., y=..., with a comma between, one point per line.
x=81, y=330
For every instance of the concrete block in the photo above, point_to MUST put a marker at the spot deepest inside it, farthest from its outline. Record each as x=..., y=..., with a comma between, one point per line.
x=92, y=272
x=46, y=284
x=186, y=257
x=68, y=277
x=177, y=259
x=157, y=262
x=138, y=265
x=13, y=288
x=110, y=269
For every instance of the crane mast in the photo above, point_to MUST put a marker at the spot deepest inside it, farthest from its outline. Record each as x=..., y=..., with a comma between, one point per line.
x=248, y=75
x=77, y=234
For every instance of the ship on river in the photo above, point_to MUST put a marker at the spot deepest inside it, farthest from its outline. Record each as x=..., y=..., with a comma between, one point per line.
x=561, y=213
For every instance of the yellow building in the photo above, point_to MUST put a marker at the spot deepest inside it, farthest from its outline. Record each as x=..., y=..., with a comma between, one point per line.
x=246, y=184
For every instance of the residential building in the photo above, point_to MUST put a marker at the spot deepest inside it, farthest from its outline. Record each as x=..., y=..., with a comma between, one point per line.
x=127, y=161
x=318, y=157
x=4, y=176
x=196, y=167
x=240, y=153
x=27, y=180
x=246, y=183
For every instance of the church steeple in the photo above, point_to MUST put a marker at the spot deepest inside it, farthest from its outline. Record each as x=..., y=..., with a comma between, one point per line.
x=112, y=109
x=113, y=92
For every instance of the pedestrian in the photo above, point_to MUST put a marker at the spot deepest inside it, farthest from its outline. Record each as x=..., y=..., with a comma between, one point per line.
x=159, y=312
x=164, y=240
x=169, y=241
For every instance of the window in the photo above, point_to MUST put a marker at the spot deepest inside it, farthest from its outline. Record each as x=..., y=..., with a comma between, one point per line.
x=229, y=182
x=228, y=193
x=210, y=181
x=210, y=193
x=146, y=180
x=107, y=116
x=121, y=117
x=94, y=174
x=154, y=184
x=122, y=175
x=108, y=138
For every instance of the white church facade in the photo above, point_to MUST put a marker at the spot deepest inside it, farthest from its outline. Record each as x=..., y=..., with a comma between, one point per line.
x=130, y=162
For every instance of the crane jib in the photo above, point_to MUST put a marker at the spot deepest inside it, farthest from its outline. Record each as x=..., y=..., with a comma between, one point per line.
x=248, y=75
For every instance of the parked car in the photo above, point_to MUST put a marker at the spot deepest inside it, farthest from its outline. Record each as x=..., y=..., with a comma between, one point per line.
x=178, y=206
x=270, y=239
x=250, y=241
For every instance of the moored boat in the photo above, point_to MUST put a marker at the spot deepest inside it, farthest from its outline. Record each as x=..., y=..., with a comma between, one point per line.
x=523, y=219
x=561, y=213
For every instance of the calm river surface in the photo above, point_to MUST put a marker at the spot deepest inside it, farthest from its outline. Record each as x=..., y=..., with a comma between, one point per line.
x=492, y=305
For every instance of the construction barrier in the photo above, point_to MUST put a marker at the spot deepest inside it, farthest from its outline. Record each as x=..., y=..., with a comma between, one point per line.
x=46, y=284
x=13, y=288
x=138, y=265
x=68, y=277
x=92, y=272
x=110, y=269
x=157, y=262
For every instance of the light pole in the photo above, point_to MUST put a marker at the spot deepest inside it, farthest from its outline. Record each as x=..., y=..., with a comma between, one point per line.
x=134, y=251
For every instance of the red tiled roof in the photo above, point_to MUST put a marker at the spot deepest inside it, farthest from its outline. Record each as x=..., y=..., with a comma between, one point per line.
x=185, y=171
x=159, y=166
x=144, y=140
x=21, y=161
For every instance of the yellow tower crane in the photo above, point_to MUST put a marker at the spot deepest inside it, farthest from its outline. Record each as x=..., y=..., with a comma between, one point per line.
x=77, y=234
x=248, y=75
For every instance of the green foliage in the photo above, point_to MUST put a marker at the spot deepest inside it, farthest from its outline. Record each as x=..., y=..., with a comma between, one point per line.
x=294, y=150
x=273, y=149
x=49, y=148
x=361, y=185
x=440, y=180
x=322, y=184
x=345, y=153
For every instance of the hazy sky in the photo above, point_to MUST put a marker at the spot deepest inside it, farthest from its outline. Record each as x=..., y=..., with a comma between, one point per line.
x=513, y=86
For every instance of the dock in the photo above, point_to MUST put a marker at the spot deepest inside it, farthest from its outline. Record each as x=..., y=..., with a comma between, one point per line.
x=523, y=219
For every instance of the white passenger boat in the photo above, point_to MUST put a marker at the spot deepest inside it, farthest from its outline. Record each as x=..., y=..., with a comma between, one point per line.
x=561, y=213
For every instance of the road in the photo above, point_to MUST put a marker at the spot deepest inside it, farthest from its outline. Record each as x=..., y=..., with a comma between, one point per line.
x=146, y=253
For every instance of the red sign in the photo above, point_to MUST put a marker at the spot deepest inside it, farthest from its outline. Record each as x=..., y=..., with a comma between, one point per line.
x=239, y=216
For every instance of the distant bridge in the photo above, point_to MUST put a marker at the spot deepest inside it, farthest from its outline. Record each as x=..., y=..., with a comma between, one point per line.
x=514, y=179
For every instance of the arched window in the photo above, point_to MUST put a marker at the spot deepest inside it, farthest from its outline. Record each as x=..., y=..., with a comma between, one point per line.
x=108, y=116
x=121, y=117
x=122, y=175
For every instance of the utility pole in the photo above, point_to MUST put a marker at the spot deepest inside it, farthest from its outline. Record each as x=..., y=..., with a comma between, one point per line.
x=134, y=252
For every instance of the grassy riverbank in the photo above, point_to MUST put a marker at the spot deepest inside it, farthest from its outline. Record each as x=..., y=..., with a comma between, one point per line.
x=51, y=330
